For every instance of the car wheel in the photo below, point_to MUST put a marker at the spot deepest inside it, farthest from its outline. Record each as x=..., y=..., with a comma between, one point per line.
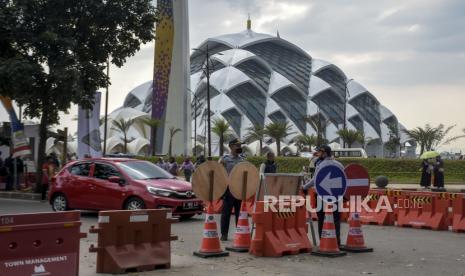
x=60, y=203
x=134, y=204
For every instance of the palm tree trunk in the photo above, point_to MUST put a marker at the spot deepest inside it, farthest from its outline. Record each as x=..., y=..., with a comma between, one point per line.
x=221, y=145
x=261, y=147
x=125, y=143
x=278, y=146
x=154, y=141
x=169, y=146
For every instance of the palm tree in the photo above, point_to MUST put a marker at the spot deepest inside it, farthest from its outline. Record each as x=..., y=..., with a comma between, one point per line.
x=278, y=131
x=173, y=132
x=394, y=139
x=153, y=124
x=304, y=140
x=430, y=138
x=221, y=129
x=255, y=133
x=123, y=127
x=349, y=136
x=363, y=140
x=319, y=123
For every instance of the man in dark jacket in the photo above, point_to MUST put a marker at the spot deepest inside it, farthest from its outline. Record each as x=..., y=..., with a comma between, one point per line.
x=269, y=166
x=229, y=201
x=325, y=154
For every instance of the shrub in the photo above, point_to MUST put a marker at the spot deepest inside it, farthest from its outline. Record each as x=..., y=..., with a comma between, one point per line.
x=397, y=170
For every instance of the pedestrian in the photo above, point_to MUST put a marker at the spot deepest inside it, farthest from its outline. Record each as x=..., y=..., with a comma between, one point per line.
x=173, y=166
x=269, y=166
x=426, y=172
x=439, y=173
x=313, y=160
x=161, y=163
x=188, y=168
x=55, y=159
x=325, y=155
x=48, y=171
x=9, y=164
x=200, y=160
x=19, y=172
x=3, y=171
x=229, y=201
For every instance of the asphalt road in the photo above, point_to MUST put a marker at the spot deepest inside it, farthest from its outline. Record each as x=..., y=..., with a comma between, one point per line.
x=398, y=251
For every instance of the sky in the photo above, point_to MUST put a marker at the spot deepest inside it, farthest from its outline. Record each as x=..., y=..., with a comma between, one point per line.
x=409, y=54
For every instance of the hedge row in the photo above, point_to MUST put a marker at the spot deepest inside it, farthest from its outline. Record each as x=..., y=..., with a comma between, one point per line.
x=398, y=170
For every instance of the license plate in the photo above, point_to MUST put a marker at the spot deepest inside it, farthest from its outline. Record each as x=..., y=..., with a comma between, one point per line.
x=190, y=205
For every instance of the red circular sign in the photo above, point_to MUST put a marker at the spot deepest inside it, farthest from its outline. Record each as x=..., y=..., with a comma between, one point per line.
x=358, y=180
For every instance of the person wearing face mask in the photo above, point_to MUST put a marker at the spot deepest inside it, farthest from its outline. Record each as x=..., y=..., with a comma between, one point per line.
x=324, y=155
x=269, y=166
x=229, y=201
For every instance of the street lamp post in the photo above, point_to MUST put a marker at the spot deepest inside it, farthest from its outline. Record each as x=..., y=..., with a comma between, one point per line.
x=195, y=121
x=346, y=101
x=207, y=74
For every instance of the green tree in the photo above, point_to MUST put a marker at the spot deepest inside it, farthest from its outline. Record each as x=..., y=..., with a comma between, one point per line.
x=319, y=123
x=221, y=129
x=173, y=132
x=304, y=140
x=349, y=136
x=278, y=131
x=53, y=53
x=255, y=133
x=430, y=138
x=121, y=125
x=153, y=124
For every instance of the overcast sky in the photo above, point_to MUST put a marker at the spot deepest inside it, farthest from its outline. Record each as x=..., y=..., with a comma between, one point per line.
x=409, y=54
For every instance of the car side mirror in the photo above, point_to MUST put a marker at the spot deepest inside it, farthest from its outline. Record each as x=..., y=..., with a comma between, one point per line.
x=116, y=179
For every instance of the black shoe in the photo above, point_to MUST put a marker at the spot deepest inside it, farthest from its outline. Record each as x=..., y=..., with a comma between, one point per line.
x=224, y=237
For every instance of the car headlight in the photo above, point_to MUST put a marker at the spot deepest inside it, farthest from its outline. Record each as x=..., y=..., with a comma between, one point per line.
x=160, y=192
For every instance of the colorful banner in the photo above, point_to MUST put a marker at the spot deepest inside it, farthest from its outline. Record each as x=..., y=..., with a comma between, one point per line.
x=20, y=142
x=163, y=56
x=89, y=142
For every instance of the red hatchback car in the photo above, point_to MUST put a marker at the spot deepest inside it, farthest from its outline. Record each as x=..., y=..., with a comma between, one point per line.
x=121, y=183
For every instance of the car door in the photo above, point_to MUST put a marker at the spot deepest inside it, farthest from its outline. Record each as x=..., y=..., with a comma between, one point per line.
x=76, y=184
x=104, y=194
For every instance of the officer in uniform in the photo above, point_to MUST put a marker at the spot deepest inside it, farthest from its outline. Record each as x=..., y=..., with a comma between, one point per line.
x=229, y=201
x=325, y=154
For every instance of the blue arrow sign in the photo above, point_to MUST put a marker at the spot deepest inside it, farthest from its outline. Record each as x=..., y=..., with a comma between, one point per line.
x=330, y=180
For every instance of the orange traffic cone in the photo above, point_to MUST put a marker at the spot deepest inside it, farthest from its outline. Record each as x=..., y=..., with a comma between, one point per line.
x=210, y=246
x=242, y=236
x=328, y=241
x=355, y=241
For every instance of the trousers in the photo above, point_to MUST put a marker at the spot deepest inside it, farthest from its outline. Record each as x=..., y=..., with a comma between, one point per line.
x=229, y=202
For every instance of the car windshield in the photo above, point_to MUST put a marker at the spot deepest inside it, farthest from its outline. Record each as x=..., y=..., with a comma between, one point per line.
x=141, y=170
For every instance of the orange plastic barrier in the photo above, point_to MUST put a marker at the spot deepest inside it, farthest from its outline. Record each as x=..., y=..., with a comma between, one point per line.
x=133, y=240
x=382, y=217
x=312, y=196
x=458, y=212
x=279, y=233
x=427, y=210
x=40, y=244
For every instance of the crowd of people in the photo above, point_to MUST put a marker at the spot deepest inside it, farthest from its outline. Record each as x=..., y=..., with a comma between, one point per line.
x=8, y=173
